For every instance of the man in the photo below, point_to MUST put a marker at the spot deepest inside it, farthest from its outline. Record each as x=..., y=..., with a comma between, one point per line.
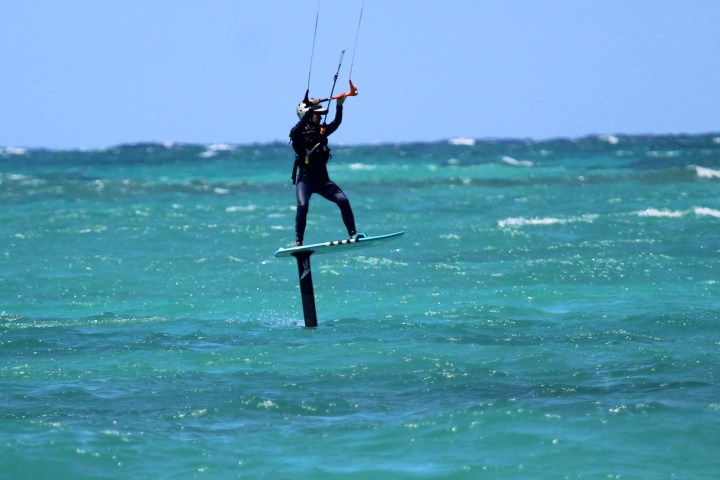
x=310, y=142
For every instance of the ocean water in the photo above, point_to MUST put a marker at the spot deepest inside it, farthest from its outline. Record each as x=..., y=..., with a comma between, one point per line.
x=552, y=312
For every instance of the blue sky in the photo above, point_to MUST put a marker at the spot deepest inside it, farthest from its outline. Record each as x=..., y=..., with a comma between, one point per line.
x=97, y=73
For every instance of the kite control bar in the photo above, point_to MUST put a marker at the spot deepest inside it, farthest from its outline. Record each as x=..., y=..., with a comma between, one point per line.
x=350, y=93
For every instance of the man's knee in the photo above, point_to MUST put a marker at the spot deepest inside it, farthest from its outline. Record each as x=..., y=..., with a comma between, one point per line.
x=302, y=209
x=342, y=201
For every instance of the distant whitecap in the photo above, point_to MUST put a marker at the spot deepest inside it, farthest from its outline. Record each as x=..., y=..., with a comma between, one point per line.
x=703, y=172
x=517, y=163
x=220, y=147
x=213, y=150
x=361, y=166
x=241, y=208
x=13, y=151
x=522, y=221
x=517, y=222
x=709, y=212
x=654, y=212
x=611, y=139
x=469, y=142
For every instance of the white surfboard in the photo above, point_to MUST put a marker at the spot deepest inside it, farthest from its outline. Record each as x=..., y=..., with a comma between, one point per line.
x=338, y=245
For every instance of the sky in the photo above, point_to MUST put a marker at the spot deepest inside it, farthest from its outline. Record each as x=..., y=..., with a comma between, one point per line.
x=100, y=73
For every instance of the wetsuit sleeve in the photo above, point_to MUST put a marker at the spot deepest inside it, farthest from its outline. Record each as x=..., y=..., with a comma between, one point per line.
x=332, y=126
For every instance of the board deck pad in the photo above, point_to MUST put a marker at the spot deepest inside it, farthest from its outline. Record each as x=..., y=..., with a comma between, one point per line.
x=338, y=245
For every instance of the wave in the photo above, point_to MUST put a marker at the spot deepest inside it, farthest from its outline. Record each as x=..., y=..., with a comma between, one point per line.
x=241, y=208
x=703, y=172
x=703, y=211
x=13, y=151
x=213, y=150
x=653, y=212
x=13, y=321
x=362, y=166
x=517, y=222
x=517, y=163
x=19, y=188
x=469, y=142
x=660, y=143
x=665, y=213
x=611, y=139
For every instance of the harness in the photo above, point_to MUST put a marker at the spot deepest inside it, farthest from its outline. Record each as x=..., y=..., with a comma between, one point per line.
x=320, y=152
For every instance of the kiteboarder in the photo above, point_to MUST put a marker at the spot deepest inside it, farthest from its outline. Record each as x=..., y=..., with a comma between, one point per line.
x=309, y=140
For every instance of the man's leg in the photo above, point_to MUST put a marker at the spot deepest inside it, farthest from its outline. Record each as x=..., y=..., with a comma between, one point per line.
x=303, y=192
x=335, y=194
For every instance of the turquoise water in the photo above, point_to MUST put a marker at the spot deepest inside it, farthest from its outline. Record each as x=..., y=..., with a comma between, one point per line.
x=552, y=311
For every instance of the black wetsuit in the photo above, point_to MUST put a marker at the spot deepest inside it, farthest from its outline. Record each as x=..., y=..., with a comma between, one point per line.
x=311, y=156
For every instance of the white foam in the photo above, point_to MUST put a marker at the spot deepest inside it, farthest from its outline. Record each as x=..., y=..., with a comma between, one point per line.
x=17, y=177
x=517, y=163
x=518, y=222
x=361, y=166
x=709, y=212
x=522, y=221
x=241, y=208
x=663, y=153
x=699, y=211
x=213, y=150
x=13, y=151
x=611, y=139
x=653, y=212
x=704, y=172
x=469, y=142
x=450, y=236
x=220, y=147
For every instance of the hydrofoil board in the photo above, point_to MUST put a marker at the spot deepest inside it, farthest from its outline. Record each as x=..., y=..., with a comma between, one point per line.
x=338, y=245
